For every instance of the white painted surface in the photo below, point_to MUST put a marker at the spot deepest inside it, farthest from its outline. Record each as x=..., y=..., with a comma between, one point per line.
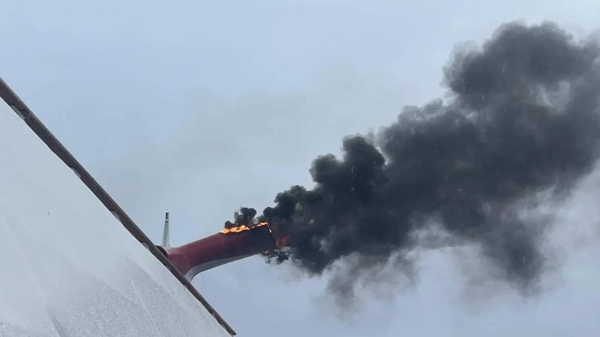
x=67, y=266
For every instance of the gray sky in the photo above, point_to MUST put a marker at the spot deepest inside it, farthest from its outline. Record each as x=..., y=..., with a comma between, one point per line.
x=176, y=105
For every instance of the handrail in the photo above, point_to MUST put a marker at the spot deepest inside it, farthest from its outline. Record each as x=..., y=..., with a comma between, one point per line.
x=21, y=109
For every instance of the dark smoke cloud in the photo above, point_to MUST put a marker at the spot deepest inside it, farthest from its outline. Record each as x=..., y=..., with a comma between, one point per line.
x=522, y=118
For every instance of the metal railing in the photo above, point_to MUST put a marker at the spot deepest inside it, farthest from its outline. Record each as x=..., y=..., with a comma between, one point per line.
x=21, y=109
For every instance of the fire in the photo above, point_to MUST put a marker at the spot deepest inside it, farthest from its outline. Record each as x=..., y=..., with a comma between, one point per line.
x=280, y=242
x=238, y=229
x=242, y=228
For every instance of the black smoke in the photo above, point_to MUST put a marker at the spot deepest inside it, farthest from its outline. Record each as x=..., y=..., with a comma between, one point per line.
x=522, y=118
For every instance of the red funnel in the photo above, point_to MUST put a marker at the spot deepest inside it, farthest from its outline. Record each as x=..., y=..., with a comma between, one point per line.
x=219, y=249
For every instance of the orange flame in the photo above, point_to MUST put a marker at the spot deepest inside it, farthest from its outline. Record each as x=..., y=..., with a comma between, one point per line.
x=238, y=229
x=242, y=228
x=280, y=242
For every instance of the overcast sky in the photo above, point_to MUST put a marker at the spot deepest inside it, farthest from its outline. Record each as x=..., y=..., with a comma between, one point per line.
x=202, y=108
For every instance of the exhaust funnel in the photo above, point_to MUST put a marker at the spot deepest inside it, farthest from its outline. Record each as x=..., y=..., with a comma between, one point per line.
x=221, y=248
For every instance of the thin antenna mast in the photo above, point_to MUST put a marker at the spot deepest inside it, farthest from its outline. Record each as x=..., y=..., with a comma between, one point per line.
x=165, y=240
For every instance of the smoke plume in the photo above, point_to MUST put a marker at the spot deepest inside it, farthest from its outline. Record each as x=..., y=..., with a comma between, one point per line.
x=522, y=118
